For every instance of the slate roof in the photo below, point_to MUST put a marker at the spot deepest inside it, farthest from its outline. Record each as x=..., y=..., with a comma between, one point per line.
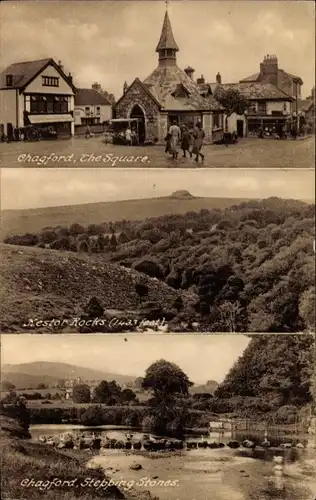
x=167, y=40
x=90, y=96
x=258, y=90
x=24, y=72
x=257, y=77
x=163, y=82
x=251, y=78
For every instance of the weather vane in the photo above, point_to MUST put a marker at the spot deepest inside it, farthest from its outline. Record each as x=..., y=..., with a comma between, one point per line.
x=167, y=3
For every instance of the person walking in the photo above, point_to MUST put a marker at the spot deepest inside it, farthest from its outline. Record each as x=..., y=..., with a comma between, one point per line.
x=88, y=133
x=175, y=136
x=167, y=139
x=198, y=135
x=186, y=141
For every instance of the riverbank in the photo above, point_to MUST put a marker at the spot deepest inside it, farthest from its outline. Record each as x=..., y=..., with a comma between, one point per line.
x=34, y=470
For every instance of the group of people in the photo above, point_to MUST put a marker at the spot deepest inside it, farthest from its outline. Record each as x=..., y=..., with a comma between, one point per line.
x=190, y=141
x=279, y=130
x=131, y=136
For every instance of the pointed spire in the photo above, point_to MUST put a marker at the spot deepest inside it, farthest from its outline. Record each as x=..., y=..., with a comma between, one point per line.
x=167, y=40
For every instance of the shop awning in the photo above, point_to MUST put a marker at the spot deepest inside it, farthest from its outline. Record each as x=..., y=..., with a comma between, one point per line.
x=34, y=119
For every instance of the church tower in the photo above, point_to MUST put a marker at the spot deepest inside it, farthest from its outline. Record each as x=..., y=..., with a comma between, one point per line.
x=167, y=47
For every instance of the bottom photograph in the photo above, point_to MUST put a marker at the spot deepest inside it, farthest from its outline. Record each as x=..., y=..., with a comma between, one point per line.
x=194, y=417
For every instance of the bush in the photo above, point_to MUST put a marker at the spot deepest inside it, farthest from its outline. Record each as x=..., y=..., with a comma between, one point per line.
x=149, y=424
x=149, y=267
x=286, y=414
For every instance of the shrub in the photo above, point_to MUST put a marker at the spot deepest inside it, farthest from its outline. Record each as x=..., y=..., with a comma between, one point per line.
x=149, y=267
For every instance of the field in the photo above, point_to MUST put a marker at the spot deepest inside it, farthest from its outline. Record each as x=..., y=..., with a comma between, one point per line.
x=34, y=220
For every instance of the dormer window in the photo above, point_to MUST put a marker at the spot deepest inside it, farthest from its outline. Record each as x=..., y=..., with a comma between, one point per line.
x=180, y=91
x=50, y=81
x=9, y=80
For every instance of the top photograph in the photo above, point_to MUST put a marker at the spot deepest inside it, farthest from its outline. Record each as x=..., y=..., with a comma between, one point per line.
x=182, y=84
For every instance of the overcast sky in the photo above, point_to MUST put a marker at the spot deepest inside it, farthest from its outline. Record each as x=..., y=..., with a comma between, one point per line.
x=111, y=42
x=57, y=187
x=202, y=357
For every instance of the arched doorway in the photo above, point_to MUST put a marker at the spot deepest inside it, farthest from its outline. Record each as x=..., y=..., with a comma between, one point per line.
x=137, y=112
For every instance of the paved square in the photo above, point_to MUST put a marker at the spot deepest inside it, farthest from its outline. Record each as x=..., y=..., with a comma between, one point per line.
x=93, y=152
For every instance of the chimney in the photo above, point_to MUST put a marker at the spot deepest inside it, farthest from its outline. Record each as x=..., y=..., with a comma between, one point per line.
x=218, y=78
x=200, y=81
x=189, y=71
x=96, y=86
x=125, y=87
x=60, y=65
x=70, y=77
x=269, y=69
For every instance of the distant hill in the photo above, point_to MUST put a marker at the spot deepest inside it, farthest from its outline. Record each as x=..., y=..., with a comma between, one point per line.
x=28, y=375
x=35, y=219
x=25, y=380
x=44, y=284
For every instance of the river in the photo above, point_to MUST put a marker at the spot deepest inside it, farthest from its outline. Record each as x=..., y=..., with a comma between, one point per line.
x=199, y=474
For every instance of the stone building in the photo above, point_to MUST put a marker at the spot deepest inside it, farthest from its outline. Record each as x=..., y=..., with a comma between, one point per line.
x=271, y=73
x=169, y=94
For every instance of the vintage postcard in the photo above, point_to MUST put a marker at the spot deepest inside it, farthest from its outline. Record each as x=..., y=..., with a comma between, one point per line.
x=157, y=84
x=191, y=418
x=92, y=251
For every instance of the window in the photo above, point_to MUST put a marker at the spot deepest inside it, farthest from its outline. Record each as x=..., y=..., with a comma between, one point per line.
x=98, y=110
x=215, y=121
x=9, y=80
x=262, y=107
x=50, y=81
x=49, y=104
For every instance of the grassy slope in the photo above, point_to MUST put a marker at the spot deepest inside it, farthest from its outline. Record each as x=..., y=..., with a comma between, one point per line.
x=40, y=283
x=33, y=220
x=23, y=459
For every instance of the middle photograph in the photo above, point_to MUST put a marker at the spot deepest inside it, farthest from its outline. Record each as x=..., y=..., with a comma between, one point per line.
x=93, y=251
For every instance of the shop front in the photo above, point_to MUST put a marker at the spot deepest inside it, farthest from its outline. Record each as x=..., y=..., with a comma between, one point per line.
x=60, y=125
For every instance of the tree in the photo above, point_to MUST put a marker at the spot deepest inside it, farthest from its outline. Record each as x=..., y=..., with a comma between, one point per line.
x=127, y=396
x=307, y=308
x=6, y=385
x=107, y=393
x=138, y=382
x=41, y=386
x=76, y=229
x=81, y=393
x=93, y=415
x=165, y=379
x=232, y=101
x=229, y=313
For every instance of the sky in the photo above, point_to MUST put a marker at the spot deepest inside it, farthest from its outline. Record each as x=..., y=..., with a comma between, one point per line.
x=58, y=187
x=201, y=357
x=111, y=42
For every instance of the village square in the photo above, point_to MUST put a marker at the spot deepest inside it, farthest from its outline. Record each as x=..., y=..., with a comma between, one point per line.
x=169, y=119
